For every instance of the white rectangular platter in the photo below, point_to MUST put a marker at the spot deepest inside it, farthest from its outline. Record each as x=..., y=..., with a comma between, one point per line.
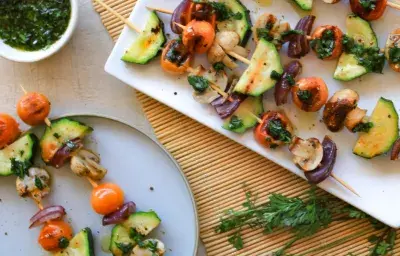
x=376, y=180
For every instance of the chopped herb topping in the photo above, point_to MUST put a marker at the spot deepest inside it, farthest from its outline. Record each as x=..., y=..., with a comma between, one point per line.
x=304, y=95
x=151, y=245
x=369, y=57
x=368, y=5
x=219, y=66
x=325, y=45
x=125, y=248
x=199, y=83
x=394, y=55
x=20, y=168
x=264, y=33
x=235, y=123
x=290, y=79
x=292, y=32
x=224, y=13
x=136, y=236
x=278, y=131
x=39, y=183
x=63, y=242
x=56, y=135
x=275, y=75
x=21, y=153
x=33, y=25
x=363, y=127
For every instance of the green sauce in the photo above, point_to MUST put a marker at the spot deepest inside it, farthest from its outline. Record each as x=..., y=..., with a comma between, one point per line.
x=325, y=45
x=32, y=25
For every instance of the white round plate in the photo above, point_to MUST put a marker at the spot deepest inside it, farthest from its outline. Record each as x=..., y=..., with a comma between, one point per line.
x=136, y=163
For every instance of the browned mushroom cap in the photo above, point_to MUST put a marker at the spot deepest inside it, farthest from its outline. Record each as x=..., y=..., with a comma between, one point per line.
x=355, y=117
x=337, y=108
x=307, y=153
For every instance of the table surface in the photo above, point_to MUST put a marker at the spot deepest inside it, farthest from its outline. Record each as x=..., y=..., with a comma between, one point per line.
x=74, y=78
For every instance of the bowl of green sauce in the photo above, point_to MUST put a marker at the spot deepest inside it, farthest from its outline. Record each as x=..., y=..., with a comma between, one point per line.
x=32, y=30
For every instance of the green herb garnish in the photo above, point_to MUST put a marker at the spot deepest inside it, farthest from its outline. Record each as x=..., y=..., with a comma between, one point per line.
x=363, y=127
x=368, y=5
x=275, y=75
x=264, y=33
x=325, y=45
x=199, y=83
x=20, y=168
x=56, y=135
x=292, y=32
x=63, y=242
x=394, y=55
x=369, y=57
x=219, y=66
x=235, y=123
x=224, y=13
x=125, y=248
x=39, y=183
x=278, y=131
x=290, y=79
x=136, y=236
x=305, y=96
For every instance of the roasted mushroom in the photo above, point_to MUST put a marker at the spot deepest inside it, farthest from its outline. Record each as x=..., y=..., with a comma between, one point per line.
x=354, y=118
x=274, y=130
x=149, y=247
x=85, y=163
x=307, y=153
x=337, y=108
x=392, y=50
x=310, y=94
x=216, y=54
x=35, y=184
x=270, y=28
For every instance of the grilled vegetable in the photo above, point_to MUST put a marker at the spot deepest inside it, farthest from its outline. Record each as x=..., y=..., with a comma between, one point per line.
x=325, y=168
x=392, y=50
x=121, y=243
x=35, y=183
x=240, y=22
x=299, y=45
x=176, y=58
x=149, y=247
x=271, y=29
x=120, y=215
x=355, y=119
x=86, y=163
x=368, y=10
x=106, y=198
x=383, y=134
x=274, y=131
x=327, y=42
x=338, y=107
x=360, y=44
x=284, y=85
x=18, y=156
x=54, y=212
x=198, y=36
x=64, y=135
x=33, y=108
x=143, y=222
x=305, y=4
x=307, y=153
x=257, y=77
x=9, y=130
x=310, y=94
x=148, y=43
x=55, y=235
x=245, y=116
x=80, y=245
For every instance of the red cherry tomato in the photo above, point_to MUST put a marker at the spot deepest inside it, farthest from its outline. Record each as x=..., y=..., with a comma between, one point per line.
x=9, y=130
x=337, y=34
x=53, y=234
x=107, y=198
x=33, y=108
x=368, y=14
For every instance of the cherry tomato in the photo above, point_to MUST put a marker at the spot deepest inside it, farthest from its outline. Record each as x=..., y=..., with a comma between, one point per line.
x=53, y=234
x=33, y=108
x=107, y=198
x=366, y=13
x=198, y=36
x=310, y=94
x=338, y=36
x=9, y=130
x=175, y=58
x=268, y=138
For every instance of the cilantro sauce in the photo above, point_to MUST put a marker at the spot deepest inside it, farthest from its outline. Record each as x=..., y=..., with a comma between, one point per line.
x=33, y=25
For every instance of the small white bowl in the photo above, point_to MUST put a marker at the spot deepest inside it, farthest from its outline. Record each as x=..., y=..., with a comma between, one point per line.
x=10, y=53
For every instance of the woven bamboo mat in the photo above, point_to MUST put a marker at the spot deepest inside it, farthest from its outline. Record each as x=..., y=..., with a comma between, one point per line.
x=217, y=168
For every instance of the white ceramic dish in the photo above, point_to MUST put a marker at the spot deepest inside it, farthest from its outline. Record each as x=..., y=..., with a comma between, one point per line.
x=14, y=54
x=136, y=163
x=377, y=180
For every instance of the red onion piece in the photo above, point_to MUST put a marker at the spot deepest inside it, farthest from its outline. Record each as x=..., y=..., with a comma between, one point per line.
x=49, y=213
x=299, y=45
x=225, y=108
x=283, y=86
x=64, y=153
x=120, y=215
x=180, y=16
x=394, y=155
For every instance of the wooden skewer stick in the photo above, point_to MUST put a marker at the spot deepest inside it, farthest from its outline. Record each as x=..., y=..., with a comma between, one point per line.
x=119, y=16
x=162, y=10
x=38, y=203
x=344, y=184
x=393, y=5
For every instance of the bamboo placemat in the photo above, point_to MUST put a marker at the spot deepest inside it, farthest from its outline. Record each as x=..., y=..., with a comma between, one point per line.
x=217, y=168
